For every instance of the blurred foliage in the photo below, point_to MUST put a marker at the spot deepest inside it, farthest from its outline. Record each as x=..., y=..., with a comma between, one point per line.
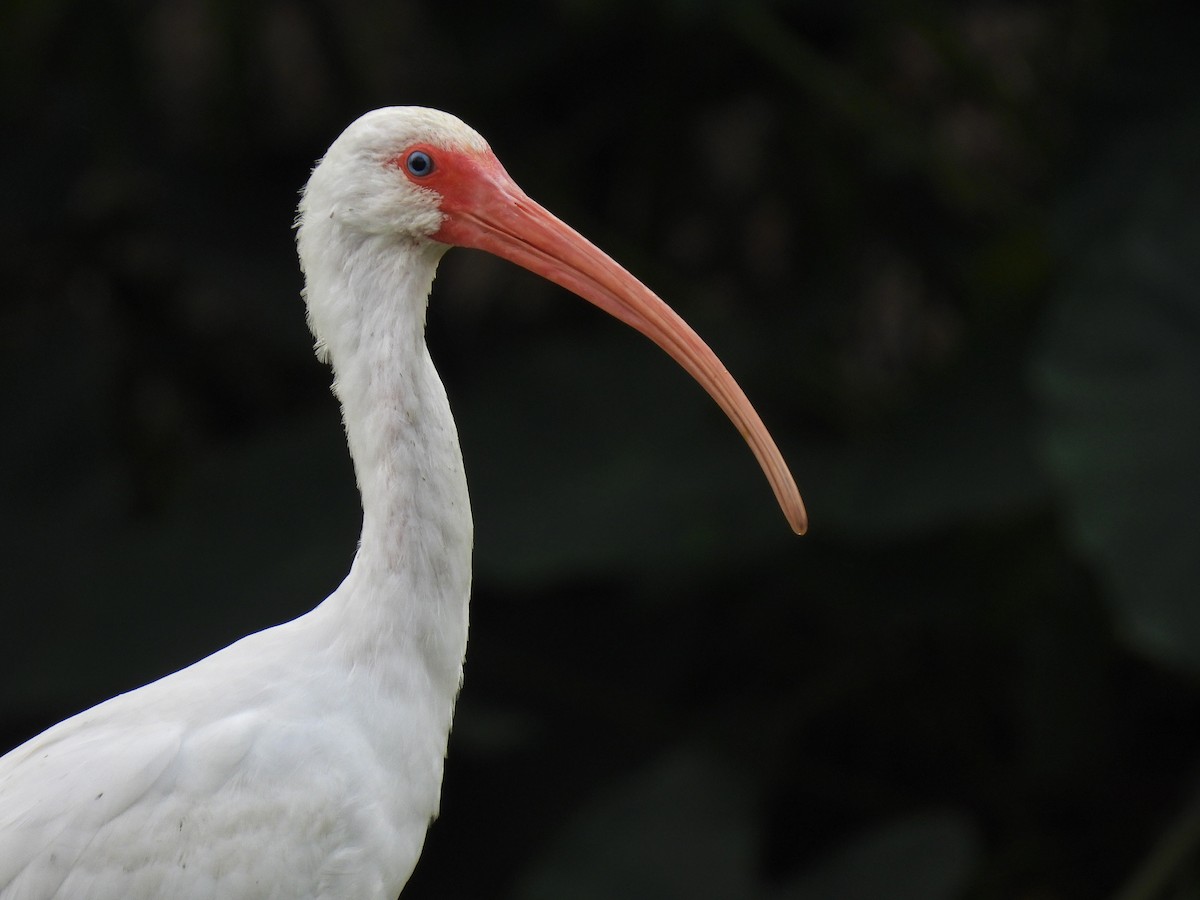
x=949, y=249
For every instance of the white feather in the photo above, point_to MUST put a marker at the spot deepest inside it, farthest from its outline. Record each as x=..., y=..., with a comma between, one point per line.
x=305, y=760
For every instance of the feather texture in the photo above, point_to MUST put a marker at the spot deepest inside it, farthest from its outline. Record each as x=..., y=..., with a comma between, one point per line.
x=305, y=760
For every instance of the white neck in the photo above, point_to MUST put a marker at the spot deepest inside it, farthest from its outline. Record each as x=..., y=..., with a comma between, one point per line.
x=402, y=610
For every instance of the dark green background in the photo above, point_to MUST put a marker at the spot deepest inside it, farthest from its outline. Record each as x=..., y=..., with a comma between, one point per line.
x=951, y=250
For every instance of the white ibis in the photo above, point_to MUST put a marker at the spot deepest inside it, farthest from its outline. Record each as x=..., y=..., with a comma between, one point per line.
x=306, y=760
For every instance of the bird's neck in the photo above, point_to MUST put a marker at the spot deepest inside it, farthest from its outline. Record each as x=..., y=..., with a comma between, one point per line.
x=403, y=606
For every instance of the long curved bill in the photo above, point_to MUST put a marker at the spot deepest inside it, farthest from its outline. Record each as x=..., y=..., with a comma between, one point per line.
x=497, y=216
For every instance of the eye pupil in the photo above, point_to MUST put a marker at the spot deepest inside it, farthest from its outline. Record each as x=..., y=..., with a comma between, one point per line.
x=419, y=163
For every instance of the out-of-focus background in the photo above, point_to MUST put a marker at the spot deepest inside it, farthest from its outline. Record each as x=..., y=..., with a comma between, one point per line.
x=951, y=250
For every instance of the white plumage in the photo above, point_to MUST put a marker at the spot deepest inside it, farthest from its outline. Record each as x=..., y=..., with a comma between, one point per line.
x=306, y=760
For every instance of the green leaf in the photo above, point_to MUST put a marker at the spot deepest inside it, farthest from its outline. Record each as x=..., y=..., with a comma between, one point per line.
x=923, y=856
x=964, y=451
x=681, y=829
x=1119, y=381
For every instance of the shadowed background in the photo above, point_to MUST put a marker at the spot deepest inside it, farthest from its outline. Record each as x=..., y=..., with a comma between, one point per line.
x=951, y=251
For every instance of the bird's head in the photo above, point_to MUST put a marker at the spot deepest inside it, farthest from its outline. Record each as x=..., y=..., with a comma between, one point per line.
x=424, y=179
x=392, y=170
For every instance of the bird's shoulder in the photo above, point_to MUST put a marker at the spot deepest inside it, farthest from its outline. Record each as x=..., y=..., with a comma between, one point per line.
x=214, y=774
x=126, y=771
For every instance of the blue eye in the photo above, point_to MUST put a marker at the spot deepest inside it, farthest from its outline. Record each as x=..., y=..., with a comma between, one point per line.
x=419, y=163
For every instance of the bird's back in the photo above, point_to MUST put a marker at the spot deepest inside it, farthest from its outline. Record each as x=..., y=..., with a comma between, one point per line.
x=271, y=787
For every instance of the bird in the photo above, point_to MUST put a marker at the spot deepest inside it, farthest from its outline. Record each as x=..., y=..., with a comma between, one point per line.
x=306, y=760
